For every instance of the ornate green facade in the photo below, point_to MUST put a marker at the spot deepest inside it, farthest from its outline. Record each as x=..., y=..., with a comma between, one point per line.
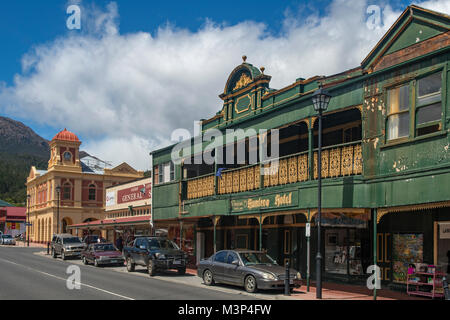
x=379, y=158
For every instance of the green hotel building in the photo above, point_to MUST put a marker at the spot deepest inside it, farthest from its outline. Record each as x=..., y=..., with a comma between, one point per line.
x=385, y=164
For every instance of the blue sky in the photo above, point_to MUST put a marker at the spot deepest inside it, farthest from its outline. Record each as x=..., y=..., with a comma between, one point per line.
x=26, y=23
x=155, y=33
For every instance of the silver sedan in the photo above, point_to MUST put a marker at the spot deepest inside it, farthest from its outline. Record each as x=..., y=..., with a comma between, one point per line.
x=7, y=239
x=252, y=270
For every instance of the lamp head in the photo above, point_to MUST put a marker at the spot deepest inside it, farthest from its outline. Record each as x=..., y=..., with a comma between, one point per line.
x=321, y=98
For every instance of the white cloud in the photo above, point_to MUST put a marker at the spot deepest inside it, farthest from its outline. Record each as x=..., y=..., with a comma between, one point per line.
x=125, y=93
x=118, y=150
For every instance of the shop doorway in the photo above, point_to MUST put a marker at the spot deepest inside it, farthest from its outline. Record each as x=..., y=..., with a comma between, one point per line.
x=384, y=255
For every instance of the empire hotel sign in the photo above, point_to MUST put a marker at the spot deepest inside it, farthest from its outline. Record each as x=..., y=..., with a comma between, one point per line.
x=272, y=201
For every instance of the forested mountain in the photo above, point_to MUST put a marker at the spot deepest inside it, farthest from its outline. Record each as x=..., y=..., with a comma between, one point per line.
x=20, y=148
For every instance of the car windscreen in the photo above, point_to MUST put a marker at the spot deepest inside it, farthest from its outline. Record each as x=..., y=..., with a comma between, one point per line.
x=71, y=240
x=7, y=236
x=155, y=244
x=104, y=247
x=252, y=258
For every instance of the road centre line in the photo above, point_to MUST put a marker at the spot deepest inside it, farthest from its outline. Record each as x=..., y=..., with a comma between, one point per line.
x=59, y=278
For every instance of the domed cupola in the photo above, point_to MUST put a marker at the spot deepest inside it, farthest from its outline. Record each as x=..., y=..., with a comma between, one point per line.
x=64, y=151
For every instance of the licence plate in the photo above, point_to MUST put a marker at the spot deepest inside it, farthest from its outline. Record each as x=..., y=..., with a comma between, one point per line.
x=176, y=262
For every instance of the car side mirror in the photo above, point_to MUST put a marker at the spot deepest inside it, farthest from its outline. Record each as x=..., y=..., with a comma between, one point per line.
x=235, y=262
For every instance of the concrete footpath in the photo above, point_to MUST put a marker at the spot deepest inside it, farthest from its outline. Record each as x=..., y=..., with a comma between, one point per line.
x=330, y=291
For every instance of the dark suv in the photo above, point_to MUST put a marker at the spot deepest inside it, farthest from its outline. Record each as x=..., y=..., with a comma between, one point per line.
x=66, y=245
x=155, y=253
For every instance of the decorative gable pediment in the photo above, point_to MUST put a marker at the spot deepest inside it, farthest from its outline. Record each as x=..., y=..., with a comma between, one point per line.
x=124, y=168
x=243, y=90
x=416, y=32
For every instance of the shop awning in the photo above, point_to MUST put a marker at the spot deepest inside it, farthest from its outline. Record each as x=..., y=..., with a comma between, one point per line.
x=112, y=222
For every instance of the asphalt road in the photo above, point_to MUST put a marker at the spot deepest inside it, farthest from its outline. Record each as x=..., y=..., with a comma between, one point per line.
x=27, y=276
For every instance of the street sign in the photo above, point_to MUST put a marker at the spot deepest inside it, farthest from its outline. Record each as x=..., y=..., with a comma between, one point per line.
x=308, y=229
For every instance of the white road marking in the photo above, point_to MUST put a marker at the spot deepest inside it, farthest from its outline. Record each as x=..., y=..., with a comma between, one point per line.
x=59, y=278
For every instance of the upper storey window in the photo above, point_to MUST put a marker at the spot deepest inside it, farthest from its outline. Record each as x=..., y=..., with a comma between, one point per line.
x=429, y=106
x=67, y=191
x=165, y=173
x=415, y=108
x=92, y=192
x=398, y=113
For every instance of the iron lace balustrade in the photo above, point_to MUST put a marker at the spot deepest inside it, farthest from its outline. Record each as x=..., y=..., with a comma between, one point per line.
x=340, y=160
x=337, y=161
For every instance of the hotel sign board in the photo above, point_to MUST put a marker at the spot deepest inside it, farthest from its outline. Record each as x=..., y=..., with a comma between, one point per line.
x=137, y=193
x=272, y=201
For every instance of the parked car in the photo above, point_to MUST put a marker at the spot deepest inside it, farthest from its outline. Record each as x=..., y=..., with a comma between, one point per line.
x=7, y=239
x=66, y=245
x=251, y=269
x=87, y=240
x=101, y=254
x=155, y=253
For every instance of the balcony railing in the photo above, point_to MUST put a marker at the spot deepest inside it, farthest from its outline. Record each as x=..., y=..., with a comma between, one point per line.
x=200, y=187
x=339, y=160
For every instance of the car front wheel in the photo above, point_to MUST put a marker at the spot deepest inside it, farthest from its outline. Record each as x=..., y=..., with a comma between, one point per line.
x=182, y=271
x=208, y=278
x=250, y=284
x=53, y=253
x=96, y=263
x=85, y=261
x=130, y=265
x=63, y=256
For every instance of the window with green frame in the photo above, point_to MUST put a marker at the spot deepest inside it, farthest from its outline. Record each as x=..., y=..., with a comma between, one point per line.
x=429, y=104
x=427, y=107
x=398, y=112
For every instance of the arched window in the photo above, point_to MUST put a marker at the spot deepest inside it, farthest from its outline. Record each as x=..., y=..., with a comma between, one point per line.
x=92, y=192
x=67, y=191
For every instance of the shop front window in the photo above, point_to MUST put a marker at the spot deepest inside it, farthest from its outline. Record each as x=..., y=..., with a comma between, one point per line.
x=347, y=244
x=444, y=247
x=407, y=249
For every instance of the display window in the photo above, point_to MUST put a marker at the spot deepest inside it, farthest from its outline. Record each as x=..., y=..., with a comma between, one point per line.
x=344, y=251
x=407, y=249
x=443, y=246
x=347, y=244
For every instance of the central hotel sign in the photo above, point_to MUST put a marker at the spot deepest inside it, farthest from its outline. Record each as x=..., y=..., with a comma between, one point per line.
x=137, y=193
x=272, y=201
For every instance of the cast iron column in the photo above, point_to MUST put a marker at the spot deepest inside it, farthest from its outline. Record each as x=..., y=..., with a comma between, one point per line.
x=319, y=213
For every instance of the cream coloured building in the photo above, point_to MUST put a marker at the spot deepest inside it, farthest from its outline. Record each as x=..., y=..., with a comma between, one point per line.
x=82, y=183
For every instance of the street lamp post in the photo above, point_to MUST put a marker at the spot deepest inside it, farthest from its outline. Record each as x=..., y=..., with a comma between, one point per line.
x=320, y=98
x=58, y=191
x=28, y=220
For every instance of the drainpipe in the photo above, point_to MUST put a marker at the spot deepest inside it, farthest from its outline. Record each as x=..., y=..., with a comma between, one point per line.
x=375, y=250
x=308, y=253
x=215, y=244
x=260, y=232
